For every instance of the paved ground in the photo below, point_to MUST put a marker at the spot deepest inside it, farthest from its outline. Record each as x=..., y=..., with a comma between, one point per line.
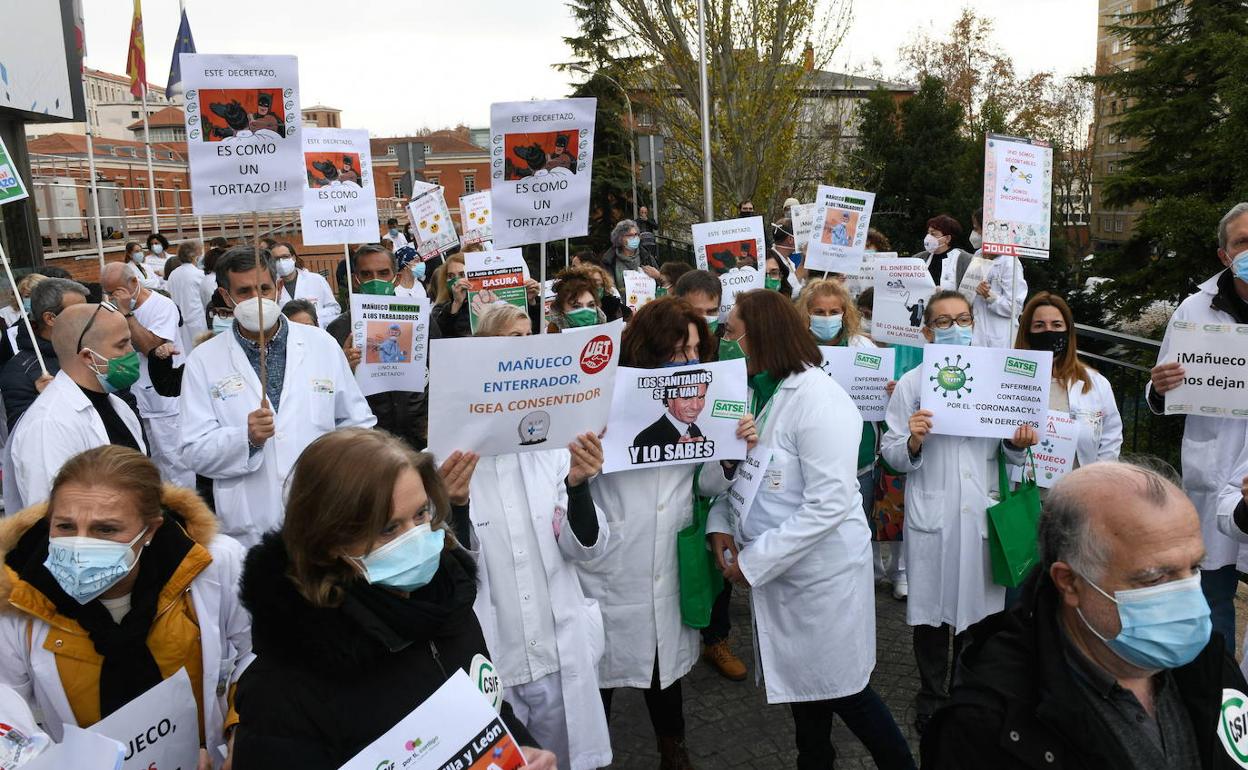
x=729, y=724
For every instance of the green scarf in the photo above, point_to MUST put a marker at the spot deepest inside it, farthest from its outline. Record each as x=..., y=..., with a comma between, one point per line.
x=765, y=387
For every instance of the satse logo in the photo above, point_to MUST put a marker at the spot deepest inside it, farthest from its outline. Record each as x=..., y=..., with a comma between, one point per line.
x=596, y=355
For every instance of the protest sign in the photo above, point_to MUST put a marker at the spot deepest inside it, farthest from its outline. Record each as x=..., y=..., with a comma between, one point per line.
x=639, y=288
x=1018, y=195
x=456, y=728
x=11, y=185
x=748, y=481
x=432, y=224
x=1215, y=364
x=498, y=395
x=803, y=215
x=727, y=245
x=862, y=277
x=735, y=282
x=541, y=160
x=339, y=203
x=494, y=276
x=475, y=218
x=839, y=233
x=79, y=749
x=676, y=415
x=243, y=133
x=392, y=335
x=1055, y=454
x=160, y=728
x=902, y=288
x=863, y=373
x=985, y=392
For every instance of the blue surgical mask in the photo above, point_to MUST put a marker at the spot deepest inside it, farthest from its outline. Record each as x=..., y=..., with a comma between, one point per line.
x=407, y=562
x=1163, y=627
x=26, y=304
x=86, y=567
x=690, y=362
x=220, y=324
x=954, y=335
x=418, y=270
x=633, y=242
x=1239, y=266
x=826, y=327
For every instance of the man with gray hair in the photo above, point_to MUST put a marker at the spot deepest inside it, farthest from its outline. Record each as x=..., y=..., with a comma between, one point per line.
x=1108, y=660
x=154, y=323
x=21, y=379
x=1209, y=443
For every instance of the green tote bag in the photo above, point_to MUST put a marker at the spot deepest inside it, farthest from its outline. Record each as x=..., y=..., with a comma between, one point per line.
x=700, y=578
x=1012, y=527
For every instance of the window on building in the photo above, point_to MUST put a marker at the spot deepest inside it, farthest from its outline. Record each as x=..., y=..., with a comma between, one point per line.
x=428, y=148
x=1119, y=223
x=433, y=180
x=134, y=114
x=390, y=150
x=1115, y=47
x=398, y=188
x=470, y=183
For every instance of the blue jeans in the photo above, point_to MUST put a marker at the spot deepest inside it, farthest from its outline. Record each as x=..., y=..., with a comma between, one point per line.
x=1219, y=587
x=867, y=718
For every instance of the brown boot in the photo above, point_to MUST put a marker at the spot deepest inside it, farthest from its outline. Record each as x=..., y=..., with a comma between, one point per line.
x=721, y=658
x=673, y=755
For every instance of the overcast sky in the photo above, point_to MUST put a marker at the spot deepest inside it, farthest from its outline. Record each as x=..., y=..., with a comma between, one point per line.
x=394, y=66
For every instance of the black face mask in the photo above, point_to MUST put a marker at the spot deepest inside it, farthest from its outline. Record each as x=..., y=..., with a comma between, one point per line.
x=1054, y=342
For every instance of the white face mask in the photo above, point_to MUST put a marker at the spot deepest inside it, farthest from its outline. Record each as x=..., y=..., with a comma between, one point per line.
x=157, y=248
x=977, y=240
x=285, y=266
x=931, y=242
x=247, y=313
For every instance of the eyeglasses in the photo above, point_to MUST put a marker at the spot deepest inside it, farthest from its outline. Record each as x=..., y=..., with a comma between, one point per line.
x=945, y=321
x=104, y=305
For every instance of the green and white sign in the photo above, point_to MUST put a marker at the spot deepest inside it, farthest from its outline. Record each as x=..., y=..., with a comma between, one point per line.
x=11, y=187
x=864, y=373
x=985, y=392
x=1233, y=726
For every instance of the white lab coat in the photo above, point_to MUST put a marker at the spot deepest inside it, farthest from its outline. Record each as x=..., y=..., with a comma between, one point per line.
x=948, y=268
x=1210, y=444
x=543, y=502
x=219, y=390
x=1231, y=494
x=308, y=285
x=27, y=666
x=155, y=267
x=949, y=488
x=185, y=289
x=806, y=547
x=635, y=582
x=998, y=314
x=1100, y=424
x=58, y=425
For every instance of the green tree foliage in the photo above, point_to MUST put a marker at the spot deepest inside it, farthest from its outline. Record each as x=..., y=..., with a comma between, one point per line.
x=1187, y=100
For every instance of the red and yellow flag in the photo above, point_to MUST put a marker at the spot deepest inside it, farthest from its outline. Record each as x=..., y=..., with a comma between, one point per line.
x=136, y=63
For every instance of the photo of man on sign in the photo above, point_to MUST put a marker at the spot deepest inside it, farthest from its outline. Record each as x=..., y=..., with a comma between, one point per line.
x=330, y=168
x=684, y=398
x=241, y=112
x=553, y=152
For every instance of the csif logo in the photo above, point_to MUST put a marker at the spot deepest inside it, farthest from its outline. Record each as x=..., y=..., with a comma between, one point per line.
x=596, y=354
x=385, y=764
x=1020, y=366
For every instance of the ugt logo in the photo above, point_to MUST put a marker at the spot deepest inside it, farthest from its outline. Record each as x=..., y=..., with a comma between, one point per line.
x=952, y=377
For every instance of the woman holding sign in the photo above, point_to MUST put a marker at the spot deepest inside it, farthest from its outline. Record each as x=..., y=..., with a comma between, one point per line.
x=802, y=544
x=361, y=605
x=111, y=587
x=576, y=301
x=635, y=582
x=950, y=483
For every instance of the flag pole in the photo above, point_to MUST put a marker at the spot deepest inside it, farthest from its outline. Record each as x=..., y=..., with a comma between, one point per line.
x=151, y=175
x=91, y=185
x=8, y=270
x=541, y=295
x=264, y=367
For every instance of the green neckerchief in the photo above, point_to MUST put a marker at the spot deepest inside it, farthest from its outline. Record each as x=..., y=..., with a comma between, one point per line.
x=765, y=387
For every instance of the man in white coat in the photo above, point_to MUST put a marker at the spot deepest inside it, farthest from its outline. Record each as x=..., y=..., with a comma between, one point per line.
x=245, y=436
x=154, y=330
x=1210, y=443
x=298, y=283
x=184, y=286
x=77, y=411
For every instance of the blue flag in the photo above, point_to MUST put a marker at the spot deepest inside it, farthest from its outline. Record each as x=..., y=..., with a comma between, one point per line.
x=184, y=44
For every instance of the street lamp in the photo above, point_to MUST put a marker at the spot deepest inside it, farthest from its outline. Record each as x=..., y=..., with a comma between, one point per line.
x=632, y=129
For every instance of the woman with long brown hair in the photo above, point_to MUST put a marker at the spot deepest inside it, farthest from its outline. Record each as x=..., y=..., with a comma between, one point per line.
x=576, y=300
x=803, y=546
x=361, y=605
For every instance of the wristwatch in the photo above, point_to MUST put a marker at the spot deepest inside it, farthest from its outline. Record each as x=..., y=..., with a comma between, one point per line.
x=128, y=315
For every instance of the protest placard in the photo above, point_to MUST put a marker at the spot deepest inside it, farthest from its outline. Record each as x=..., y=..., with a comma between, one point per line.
x=748, y=481
x=902, y=288
x=1055, y=454
x=862, y=277
x=863, y=373
x=985, y=392
x=456, y=728
x=243, y=132
x=676, y=415
x=160, y=728
x=735, y=282
x=1215, y=364
x=639, y=289
x=392, y=335
x=1018, y=195
x=839, y=233
x=494, y=276
x=339, y=203
x=11, y=186
x=432, y=224
x=475, y=218
x=79, y=749
x=803, y=215
x=541, y=160
x=498, y=395
x=729, y=244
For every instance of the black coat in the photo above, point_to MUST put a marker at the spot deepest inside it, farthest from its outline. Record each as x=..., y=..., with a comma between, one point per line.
x=1015, y=703
x=327, y=682
x=662, y=432
x=405, y=413
x=17, y=378
x=445, y=324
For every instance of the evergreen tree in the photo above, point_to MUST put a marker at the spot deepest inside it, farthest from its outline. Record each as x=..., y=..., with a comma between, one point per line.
x=1187, y=101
